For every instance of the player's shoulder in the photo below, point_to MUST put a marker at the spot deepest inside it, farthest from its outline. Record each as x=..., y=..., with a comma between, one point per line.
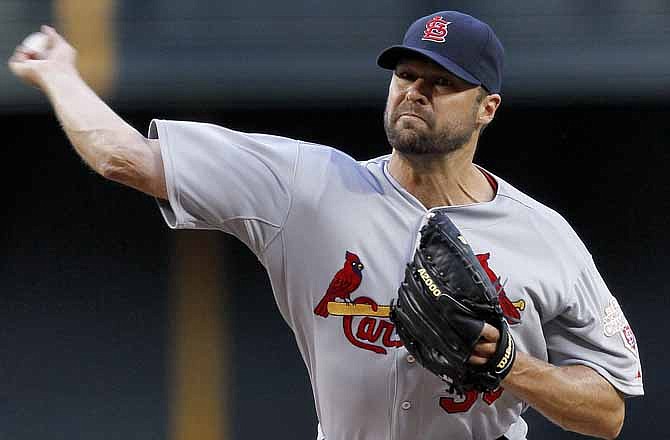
x=337, y=158
x=334, y=154
x=527, y=203
x=330, y=164
x=546, y=222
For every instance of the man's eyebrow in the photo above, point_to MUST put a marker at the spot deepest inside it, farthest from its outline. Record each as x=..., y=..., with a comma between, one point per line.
x=432, y=71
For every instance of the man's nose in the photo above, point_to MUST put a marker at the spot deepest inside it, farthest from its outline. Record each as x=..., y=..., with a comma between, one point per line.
x=417, y=92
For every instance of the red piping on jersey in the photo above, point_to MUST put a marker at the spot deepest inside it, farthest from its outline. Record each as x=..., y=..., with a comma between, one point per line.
x=491, y=180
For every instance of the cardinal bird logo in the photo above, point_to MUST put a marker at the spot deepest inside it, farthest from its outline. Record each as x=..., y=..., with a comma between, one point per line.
x=510, y=309
x=345, y=281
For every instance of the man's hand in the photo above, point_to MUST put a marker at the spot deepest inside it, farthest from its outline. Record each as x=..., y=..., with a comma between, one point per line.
x=487, y=345
x=574, y=397
x=32, y=64
x=108, y=144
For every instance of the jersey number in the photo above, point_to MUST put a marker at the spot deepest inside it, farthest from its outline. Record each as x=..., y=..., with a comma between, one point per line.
x=458, y=403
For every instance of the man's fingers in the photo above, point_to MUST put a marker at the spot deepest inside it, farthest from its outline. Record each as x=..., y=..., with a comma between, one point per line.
x=49, y=31
x=17, y=61
x=482, y=352
x=18, y=57
x=52, y=34
x=23, y=53
x=477, y=360
x=58, y=47
x=486, y=349
x=490, y=333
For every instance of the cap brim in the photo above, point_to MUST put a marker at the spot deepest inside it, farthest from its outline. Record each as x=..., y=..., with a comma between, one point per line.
x=390, y=56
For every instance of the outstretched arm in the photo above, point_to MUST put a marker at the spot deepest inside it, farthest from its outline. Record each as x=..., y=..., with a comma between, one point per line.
x=108, y=144
x=575, y=397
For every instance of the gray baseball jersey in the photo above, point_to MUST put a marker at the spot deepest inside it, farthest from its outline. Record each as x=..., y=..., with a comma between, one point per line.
x=334, y=235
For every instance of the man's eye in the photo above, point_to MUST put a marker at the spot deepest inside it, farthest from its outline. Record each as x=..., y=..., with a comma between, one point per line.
x=444, y=82
x=403, y=75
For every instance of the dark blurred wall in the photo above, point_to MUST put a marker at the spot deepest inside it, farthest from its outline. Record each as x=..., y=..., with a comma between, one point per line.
x=268, y=53
x=85, y=267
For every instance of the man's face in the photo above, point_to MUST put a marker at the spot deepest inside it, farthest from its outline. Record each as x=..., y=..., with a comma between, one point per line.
x=429, y=110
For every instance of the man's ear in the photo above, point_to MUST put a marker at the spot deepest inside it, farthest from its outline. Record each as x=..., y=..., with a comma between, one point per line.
x=488, y=108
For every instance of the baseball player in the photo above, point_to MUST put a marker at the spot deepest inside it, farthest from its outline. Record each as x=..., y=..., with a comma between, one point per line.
x=335, y=234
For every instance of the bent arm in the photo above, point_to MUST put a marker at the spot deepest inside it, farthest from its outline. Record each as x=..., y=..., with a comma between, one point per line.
x=105, y=142
x=108, y=144
x=575, y=397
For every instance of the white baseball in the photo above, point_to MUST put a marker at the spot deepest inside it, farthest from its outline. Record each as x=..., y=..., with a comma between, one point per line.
x=36, y=42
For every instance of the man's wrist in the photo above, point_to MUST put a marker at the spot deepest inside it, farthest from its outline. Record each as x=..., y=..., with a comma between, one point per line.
x=56, y=75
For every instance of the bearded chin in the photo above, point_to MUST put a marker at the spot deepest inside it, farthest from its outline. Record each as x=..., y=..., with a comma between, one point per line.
x=411, y=141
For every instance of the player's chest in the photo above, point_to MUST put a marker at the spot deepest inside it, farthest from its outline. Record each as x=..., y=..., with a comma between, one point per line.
x=360, y=271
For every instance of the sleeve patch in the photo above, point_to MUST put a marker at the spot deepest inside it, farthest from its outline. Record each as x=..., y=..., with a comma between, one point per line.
x=615, y=322
x=629, y=339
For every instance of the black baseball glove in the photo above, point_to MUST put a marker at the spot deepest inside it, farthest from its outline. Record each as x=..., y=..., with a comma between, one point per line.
x=443, y=303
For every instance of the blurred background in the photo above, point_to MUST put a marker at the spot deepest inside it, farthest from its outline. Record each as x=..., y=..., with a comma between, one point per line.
x=114, y=327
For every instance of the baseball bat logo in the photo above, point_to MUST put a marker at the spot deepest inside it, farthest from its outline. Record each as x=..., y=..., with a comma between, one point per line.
x=364, y=322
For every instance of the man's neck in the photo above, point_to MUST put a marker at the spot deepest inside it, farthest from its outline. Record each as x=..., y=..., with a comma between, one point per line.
x=441, y=180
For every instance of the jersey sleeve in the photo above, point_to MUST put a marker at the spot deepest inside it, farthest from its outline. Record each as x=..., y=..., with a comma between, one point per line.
x=592, y=330
x=223, y=179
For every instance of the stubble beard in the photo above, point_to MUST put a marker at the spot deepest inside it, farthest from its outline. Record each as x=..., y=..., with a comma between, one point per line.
x=421, y=140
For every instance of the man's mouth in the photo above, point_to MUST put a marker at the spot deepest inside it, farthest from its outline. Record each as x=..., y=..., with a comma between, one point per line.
x=411, y=115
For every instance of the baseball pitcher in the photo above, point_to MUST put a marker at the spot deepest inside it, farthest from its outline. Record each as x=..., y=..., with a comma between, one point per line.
x=444, y=303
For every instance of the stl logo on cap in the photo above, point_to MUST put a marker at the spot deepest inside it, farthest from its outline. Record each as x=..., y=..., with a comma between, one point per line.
x=436, y=29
